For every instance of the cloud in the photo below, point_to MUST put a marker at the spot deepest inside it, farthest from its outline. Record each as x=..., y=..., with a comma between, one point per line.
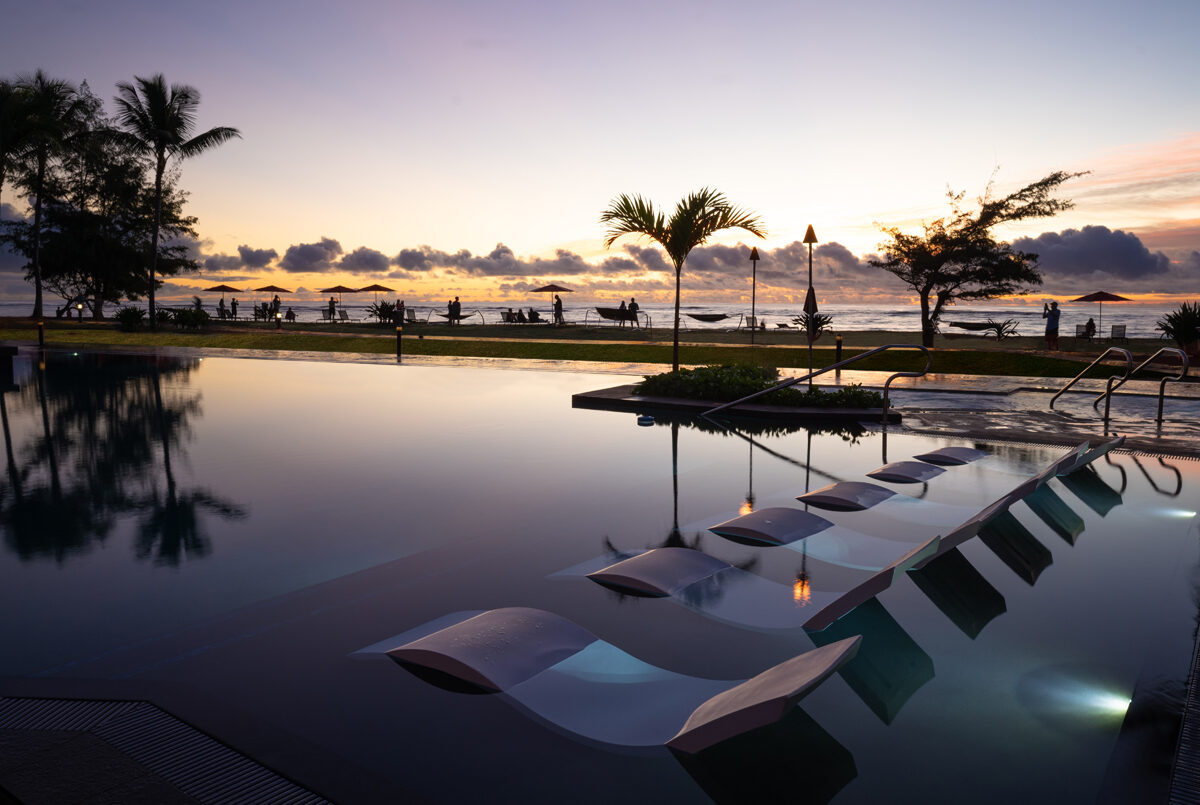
x=221, y=264
x=1191, y=262
x=256, y=258
x=311, y=257
x=364, y=261
x=1091, y=251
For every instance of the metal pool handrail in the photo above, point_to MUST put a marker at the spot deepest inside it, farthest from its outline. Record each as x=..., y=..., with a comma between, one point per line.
x=1162, y=386
x=793, y=381
x=1108, y=389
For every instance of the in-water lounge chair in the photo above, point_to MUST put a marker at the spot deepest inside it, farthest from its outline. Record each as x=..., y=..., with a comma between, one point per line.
x=559, y=672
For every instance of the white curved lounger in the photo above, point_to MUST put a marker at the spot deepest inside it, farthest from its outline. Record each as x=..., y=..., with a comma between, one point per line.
x=560, y=672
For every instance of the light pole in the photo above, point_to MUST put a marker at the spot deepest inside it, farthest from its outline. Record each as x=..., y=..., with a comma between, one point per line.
x=810, y=301
x=753, y=290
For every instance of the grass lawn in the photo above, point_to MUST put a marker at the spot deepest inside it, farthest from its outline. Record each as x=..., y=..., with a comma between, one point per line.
x=960, y=356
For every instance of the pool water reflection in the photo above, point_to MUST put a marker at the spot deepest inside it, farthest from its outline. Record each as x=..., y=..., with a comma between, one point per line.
x=242, y=528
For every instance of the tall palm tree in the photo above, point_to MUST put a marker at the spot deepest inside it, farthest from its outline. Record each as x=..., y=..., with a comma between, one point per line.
x=49, y=105
x=13, y=128
x=160, y=123
x=696, y=218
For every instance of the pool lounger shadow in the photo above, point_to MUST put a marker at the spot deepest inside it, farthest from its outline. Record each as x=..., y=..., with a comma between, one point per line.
x=561, y=673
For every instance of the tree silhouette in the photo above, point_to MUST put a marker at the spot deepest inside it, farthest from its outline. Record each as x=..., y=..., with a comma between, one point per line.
x=696, y=218
x=958, y=258
x=160, y=121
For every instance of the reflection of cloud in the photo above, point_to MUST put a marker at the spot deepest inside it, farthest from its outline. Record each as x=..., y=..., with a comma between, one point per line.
x=311, y=257
x=1093, y=250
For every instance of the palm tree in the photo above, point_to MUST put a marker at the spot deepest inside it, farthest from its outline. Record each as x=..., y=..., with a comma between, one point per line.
x=48, y=110
x=160, y=122
x=13, y=129
x=696, y=218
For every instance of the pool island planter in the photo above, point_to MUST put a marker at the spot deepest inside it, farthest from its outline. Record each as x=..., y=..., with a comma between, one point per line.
x=625, y=398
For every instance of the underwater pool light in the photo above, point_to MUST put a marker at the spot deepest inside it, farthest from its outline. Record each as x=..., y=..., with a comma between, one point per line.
x=1109, y=702
x=1183, y=514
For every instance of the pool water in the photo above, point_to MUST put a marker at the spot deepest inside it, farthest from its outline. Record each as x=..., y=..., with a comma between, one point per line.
x=237, y=531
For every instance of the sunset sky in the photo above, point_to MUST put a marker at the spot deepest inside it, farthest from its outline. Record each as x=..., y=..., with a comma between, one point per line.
x=447, y=148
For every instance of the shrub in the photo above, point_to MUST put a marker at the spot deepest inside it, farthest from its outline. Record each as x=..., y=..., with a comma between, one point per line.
x=131, y=318
x=734, y=381
x=383, y=310
x=813, y=324
x=191, y=318
x=1182, y=325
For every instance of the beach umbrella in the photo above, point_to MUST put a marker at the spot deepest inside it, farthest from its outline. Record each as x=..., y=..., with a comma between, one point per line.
x=271, y=289
x=1101, y=297
x=377, y=289
x=552, y=288
x=339, y=290
x=222, y=289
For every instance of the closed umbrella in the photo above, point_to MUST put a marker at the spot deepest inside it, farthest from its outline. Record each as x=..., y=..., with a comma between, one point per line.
x=1101, y=297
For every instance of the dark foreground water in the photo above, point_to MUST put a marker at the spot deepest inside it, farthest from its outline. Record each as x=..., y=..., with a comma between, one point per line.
x=237, y=532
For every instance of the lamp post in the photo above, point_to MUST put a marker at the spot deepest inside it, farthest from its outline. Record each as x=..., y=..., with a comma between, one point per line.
x=810, y=300
x=753, y=290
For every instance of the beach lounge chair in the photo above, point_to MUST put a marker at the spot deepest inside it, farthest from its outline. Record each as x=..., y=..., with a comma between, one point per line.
x=326, y=315
x=410, y=316
x=1118, y=334
x=344, y=316
x=561, y=673
x=1081, y=333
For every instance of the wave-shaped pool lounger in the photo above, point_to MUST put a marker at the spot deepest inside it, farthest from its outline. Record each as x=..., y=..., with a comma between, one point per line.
x=562, y=673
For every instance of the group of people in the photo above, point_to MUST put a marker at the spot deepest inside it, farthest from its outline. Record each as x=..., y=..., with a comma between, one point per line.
x=628, y=312
x=453, y=311
x=1051, y=314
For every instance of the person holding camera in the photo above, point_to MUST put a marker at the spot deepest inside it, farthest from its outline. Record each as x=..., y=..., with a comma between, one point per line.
x=1051, y=313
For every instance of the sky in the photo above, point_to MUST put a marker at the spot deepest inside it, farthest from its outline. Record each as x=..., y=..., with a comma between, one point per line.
x=468, y=148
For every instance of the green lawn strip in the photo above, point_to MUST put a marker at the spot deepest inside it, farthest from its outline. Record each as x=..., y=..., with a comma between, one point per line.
x=953, y=361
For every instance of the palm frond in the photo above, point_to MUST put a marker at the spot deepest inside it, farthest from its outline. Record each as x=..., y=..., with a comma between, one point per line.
x=209, y=139
x=633, y=215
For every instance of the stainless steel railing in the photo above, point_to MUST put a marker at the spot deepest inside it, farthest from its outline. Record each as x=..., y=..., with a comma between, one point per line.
x=1109, y=386
x=1162, y=386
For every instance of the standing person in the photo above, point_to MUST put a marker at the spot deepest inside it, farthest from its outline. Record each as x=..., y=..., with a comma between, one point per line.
x=332, y=307
x=233, y=306
x=558, y=310
x=456, y=312
x=1051, y=314
x=221, y=309
x=275, y=305
x=622, y=313
x=633, y=310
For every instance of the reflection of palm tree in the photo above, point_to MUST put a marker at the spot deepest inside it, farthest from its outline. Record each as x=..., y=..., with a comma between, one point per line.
x=93, y=461
x=172, y=523
x=160, y=121
x=696, y=218
x=675, y=538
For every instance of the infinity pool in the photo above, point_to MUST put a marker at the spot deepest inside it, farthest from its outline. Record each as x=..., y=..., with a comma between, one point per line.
x=247, y=534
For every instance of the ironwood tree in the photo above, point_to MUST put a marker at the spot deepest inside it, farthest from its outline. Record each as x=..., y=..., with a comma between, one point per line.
x=958, y=257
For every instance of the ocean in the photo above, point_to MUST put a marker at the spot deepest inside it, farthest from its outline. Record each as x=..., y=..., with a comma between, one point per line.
x=1139, y=319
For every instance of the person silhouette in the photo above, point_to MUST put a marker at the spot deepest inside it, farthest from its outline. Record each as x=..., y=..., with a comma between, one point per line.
x=633, y=311
x=332, y=306
x=1089, y=329
x=558, y=310
x=622, y=313
x=1051, y=314
x=233, y=306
